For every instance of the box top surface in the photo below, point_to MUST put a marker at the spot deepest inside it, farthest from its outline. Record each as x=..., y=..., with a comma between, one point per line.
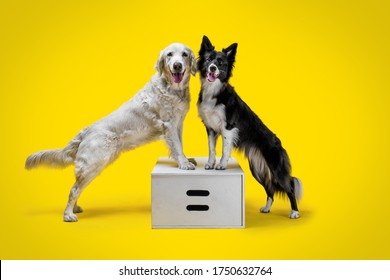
x=167, y=166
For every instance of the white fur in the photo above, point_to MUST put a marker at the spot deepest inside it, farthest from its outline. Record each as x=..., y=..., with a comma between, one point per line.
x=267, y=207
x=214, y=117
x=229, y=137
x=294, y=214
x=156, y=111
x=212, y=137
x=209, y=89
x=216, y=73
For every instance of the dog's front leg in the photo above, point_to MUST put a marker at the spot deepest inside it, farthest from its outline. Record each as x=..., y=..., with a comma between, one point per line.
x=228, y=138
x=180, y=132
x=212, y=137
x=172, y=138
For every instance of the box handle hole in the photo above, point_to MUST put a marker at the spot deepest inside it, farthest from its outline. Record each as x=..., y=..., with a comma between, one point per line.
x=197, y=207
x=198, y=193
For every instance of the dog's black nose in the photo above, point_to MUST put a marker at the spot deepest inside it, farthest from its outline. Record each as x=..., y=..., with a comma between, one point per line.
x=213, y=68
x=177, y=66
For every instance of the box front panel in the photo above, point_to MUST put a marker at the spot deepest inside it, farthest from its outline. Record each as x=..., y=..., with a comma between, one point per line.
x=197, y=201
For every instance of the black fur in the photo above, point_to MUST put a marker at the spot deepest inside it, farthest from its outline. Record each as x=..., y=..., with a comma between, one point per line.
x=253, y=134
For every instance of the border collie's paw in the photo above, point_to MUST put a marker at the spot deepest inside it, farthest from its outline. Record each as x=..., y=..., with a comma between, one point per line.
x=265, y=209
x=187, y=166
x=77, y=209
x=220, y=167
x=70, y=217
x=209, y=166
x=294, y=214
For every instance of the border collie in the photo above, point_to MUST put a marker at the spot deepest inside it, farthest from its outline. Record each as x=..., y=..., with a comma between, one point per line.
x=224, y=113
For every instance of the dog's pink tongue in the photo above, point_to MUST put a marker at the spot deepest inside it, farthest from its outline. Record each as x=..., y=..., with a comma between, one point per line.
x=211, y=77
x=177, y=77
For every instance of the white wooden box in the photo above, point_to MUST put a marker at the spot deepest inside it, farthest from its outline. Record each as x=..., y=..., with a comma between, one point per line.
x=197, y=198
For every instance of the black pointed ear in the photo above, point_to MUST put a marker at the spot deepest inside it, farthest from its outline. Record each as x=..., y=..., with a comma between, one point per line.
x=231, y=51
x=206, y=45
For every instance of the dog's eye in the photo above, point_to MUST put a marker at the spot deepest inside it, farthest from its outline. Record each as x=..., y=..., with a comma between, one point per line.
x=185, y=54
x=169, y=54
x=208, y=59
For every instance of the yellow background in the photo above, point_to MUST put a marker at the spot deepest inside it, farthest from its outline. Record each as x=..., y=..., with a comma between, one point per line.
x=316, y=72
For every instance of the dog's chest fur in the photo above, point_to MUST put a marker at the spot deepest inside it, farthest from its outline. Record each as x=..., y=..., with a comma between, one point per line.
x=211, y=113
x=172, y=106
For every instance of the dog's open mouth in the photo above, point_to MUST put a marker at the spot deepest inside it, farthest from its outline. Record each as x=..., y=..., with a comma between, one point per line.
x=177, y=77
x=212, y=76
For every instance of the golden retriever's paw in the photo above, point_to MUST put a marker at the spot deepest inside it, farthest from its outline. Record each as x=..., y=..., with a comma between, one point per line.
x=187, y=166
x=70, y=217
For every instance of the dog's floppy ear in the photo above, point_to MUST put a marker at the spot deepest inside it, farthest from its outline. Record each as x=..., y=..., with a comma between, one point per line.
x=193, y=63
x=159, y=66
x=206, y=46
x=231, y=52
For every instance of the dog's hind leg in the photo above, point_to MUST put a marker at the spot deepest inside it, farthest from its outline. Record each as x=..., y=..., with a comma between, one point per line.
x=74, y=194
x=294, y=208
x=91, y=159
x=84, y=176
x=270, y=200
x=291, y=190
x=294, y=192
x=262, y=175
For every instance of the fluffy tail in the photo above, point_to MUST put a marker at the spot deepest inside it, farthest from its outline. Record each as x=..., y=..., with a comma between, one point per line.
x=55, y=158
x=298, y=188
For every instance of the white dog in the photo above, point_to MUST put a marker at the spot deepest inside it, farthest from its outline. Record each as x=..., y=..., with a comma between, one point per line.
x=156, y=111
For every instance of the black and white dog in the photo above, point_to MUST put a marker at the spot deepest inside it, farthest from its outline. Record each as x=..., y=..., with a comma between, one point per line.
x=224, y=113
